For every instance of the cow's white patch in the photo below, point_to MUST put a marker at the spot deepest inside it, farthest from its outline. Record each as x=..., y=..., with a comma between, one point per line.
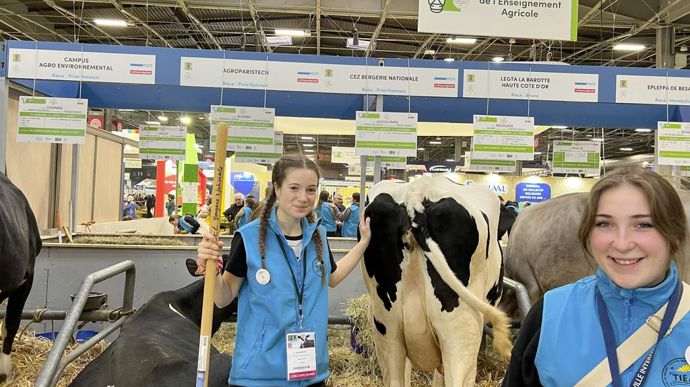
x=6, y=365
x=175, y=310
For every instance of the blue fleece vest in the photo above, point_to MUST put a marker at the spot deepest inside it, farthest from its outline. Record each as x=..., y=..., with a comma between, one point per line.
x=245, y=217
x=265, y=312
x=571, y=342
x=325, y=213
x=182, y=225
x=352, y=222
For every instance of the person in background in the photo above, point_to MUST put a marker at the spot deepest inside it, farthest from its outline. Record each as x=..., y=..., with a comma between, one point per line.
x=245, y=213
x=635, y=228
x=512, y=206
x=326, y=211
x=234, y=208
x=279, y=268
x=350, y=217
x=184, y=225
x=170, y=205
x=150, y=203
x=338, y=201
x=129, y=210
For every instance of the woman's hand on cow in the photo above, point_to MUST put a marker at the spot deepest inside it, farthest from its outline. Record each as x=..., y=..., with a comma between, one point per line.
x=209, y=248
x=364, y=227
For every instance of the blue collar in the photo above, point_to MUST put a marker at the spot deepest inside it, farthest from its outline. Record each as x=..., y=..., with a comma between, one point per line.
x=308, y=229
x=654, y=297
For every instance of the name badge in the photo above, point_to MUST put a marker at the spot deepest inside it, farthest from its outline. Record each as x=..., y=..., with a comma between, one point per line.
x=301, y=355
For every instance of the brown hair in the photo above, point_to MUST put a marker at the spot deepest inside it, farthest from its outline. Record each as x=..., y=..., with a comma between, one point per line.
x=666, y=207
x=280, y=171
x=323, y=197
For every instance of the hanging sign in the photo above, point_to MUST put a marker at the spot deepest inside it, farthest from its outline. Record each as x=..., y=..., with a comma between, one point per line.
x=532, y=192
x=249, y=129
x=673, y=143
x=576, y=157
x=162, y=142
x=347, y=155
x=386, y=134
x=491, y=165
x=318, y=77
x=685, y=171
x=652, y=90
x=82, y=66
x=266, y=157
x=544, y=20
x=53, y=120
x=503, y=138
x=541, y=86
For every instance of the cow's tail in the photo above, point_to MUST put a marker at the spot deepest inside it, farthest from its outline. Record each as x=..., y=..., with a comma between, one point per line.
x=499, y=321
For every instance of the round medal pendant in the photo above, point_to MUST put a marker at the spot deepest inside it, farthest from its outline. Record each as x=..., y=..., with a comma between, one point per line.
x=687, y=355
x=263, y=277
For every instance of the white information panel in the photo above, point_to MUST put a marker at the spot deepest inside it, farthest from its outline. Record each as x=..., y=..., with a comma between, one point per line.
x=348, y=155
x=541, y=86
x=249, y=129
x=652, y=90
x=53, y=120
x=266, y=157
x=491, y=165
x=318, y=77
x=162, y=142
x=503, y=138
x=673, y=143
x=82, y=66
x=543, y=19
x=577, y=157
x=386, y=134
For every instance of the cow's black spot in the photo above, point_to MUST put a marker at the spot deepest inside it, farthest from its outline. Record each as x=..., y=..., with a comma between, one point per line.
x=488, y=233
x=506, y=219
x=452, y=227
x=383, y=256
x=496, y=291
x=380, y=327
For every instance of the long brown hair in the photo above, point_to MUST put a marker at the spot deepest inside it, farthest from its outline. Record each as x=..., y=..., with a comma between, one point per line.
x=666, y=207
x=280, y=171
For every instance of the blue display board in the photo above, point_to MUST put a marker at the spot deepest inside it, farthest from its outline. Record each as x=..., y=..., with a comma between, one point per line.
x=532, y=192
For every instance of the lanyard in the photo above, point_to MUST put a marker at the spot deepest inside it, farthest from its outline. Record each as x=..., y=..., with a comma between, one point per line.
x=299, y=291
x=610, y=344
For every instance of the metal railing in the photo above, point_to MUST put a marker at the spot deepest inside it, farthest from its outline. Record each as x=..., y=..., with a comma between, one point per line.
x=521, y=293
x=56, y=363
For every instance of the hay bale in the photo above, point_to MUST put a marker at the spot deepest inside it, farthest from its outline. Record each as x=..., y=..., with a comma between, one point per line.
x=29, y=353
x=128, y=240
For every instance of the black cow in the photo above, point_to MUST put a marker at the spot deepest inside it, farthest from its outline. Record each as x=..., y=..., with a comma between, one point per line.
x=159, y=345
x=20, y=243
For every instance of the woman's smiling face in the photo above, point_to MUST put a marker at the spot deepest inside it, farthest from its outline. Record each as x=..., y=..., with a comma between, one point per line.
x=624, y=240
x=297, y=194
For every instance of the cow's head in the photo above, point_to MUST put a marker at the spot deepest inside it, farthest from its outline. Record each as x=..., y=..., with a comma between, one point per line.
x=188, y=301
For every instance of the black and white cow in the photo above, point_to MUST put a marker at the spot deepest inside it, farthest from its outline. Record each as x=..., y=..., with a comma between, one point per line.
x=159, y=345
x=433, y=270
x=20, y=243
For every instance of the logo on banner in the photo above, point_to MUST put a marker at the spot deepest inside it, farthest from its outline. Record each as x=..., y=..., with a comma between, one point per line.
x=16, y=57
x=438, y=6
x=187, y=65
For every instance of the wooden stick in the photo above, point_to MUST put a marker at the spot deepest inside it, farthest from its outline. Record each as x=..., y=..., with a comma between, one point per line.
x=69, y=234
x=204, y=359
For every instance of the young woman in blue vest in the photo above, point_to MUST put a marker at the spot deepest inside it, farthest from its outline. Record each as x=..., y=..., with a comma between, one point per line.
x=279, y=268
x=350, y=217
x=634, y=226
x=327, y=212
x=245, y=213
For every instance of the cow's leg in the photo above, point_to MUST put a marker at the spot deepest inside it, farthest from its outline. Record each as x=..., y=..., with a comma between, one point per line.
x=438, y=379
x=459, y=351
x=390, y=353
x=15, y=305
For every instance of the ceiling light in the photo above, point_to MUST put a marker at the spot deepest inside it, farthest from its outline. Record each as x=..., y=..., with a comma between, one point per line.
x=110, y=22
x=307, y=138
x=435, y=142
x=201, y=117
x=420, y=149
x=152, y=122
x=559, y=127
x=449, y=59
x=125, y=110
x=626, y=149
x=309, y=150
x=280, y=40
x=643, y=130
x=361, y=44
x=461, y=40
x=290, y=32
x=308, y=145
x=429, y=52
x=162, y=118
x=597, y=139
x=511, y=41
x=450, y=160
x=185, y=120
x=628, y=47
x=498, y=59
x=537, y=153
x=683, y=48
